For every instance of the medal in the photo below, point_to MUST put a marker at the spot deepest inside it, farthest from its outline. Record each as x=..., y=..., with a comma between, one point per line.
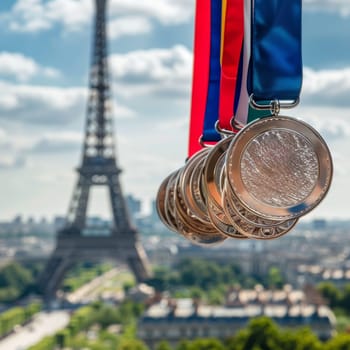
x=161, y=203
x=211, y=181
x=279, y=168
x=191, y=186
x=263, y=170
x=192, y=228
x=252, y=230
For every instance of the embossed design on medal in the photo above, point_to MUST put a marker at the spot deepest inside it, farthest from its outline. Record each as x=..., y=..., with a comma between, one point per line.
x=192, y=228
x=251, y=230
x=279, y=168
x=242, y=212
x=191, y=188
x=211, y=183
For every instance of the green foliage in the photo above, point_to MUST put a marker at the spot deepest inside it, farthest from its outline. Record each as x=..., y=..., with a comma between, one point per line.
x=263, y=334
x=17, y=316
x=83, y=273
x=209, y=280
x=338, y=299
x=17, y=280
x=103, y=315
x=183, y=345
x=302, y=339
x=340, y=342
x=163, y=345
x=47, y=343
x=197, y=278
x=274, y=278
x=132, y=344
x=206, y=344
x=330, y=292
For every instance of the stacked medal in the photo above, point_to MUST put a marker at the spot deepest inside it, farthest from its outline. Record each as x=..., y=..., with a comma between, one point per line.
x=251, y=172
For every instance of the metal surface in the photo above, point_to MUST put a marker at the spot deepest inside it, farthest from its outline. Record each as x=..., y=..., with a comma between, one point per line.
x=190, y=185
x=279, y=168
x=188, y=225
x=251, y=230
x=161, y=203
x=98, y=168
x=212, y=170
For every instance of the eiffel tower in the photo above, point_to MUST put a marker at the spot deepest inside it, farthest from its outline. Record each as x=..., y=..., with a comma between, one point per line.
x=78, y=240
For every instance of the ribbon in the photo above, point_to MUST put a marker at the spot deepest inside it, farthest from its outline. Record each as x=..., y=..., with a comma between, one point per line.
x=242, y=110
x=200, y=75
x=232, y=41
x=276, y=63
x=212, y=107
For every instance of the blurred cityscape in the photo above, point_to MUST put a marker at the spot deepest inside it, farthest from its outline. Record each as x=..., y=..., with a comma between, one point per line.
x=291, y=293
x=280, y=279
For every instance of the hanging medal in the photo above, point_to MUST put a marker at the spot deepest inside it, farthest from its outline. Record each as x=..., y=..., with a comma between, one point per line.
x=277, y=168
x=184, y=191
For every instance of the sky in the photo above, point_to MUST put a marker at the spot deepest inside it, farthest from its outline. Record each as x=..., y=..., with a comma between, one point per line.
x=45, y=53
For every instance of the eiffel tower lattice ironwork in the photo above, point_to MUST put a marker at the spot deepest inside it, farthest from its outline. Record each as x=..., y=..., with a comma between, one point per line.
x=77, y=241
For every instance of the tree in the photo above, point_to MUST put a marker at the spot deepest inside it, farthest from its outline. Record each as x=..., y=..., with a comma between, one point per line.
x=183, y=345
x=163, y=345
x=206, y=344
x=340, y=342
x=345, y=300
x=274, y=278
x=261, y=334
x=330, y=292
x=132, y=344
x=302, y=339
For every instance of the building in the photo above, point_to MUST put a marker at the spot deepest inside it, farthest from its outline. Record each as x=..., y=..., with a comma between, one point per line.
x=174, y=320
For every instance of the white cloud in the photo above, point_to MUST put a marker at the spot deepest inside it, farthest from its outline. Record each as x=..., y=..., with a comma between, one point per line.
x=332, y=122
x=9, y=162
x=339, y=6
x=167, y=12
x=23, y=68
x=47, y=105
x=38, y=15
x=327, y=87
x=158, y=72
x=128, y=25
x=58, y=142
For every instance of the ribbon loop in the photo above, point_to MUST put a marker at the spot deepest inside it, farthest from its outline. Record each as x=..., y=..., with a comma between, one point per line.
x=276, y=63
x=232, y=42
x=200, y=75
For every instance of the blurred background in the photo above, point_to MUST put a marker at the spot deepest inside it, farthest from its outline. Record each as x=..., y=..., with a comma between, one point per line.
x=45, y=57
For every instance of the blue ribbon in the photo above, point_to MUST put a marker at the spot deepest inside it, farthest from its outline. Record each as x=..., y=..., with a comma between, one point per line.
x=276, y=61
x=212, y=106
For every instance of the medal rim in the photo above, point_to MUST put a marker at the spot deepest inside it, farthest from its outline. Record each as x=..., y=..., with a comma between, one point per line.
x=251, y=234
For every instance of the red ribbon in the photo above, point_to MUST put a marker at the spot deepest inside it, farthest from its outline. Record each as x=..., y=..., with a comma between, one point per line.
x=200, y=78
x=231, y=53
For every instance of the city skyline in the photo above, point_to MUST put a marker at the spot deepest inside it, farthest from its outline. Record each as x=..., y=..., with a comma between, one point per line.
x=45, y=51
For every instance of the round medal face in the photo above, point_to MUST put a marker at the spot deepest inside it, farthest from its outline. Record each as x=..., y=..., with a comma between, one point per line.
x=279, y=168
